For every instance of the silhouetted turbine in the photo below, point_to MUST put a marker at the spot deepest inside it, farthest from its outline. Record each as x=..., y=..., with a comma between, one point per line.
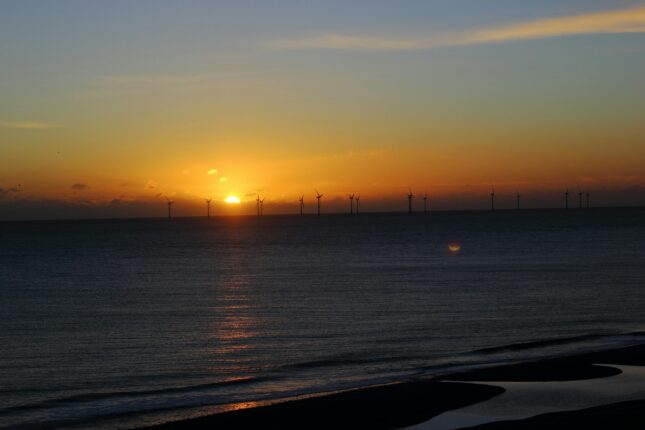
x=169, y=202
x=425, y=202
x=257, y=204
x=358, y=198
x=492, y=199
x=351, y=204
x=318, y=196
x=208, y=208
x=302, y=203
x=410, y=197
x=262, y=207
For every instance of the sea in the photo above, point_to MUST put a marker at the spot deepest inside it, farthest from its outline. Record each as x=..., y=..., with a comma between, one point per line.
x=118, y=324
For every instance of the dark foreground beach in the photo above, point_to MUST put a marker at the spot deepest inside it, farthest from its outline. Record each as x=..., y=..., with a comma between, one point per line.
x=409, y=403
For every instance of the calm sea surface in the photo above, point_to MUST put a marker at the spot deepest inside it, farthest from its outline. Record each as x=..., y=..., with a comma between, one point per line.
x=121, y=323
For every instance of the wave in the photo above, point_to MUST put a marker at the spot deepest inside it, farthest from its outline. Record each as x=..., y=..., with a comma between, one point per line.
x=554, y=342
x=348, y=361
x=88, y=397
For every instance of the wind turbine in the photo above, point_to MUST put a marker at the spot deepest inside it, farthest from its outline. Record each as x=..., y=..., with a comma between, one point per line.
x=208, y=208
x=358, y=198
x=302, y=203
x=351, y=204
x=492, y=199
x=169, y=202
x=257, y=204
x=518, y=200
x=410, y=197
x=566, y=199
x=262, y=206
x=579, y=198
x=318, y=196
x=425, y=202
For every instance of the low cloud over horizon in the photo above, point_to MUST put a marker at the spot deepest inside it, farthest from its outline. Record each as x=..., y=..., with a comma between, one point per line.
x=79, y=187
x=18, y=208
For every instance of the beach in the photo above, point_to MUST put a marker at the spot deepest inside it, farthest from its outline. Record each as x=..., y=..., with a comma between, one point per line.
x=317, y=320
x=416, y=403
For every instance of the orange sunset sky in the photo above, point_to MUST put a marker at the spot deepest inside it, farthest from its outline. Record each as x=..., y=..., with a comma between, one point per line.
x=110, y=107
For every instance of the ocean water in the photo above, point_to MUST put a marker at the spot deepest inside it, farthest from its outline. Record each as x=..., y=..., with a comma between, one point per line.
x=124, y=323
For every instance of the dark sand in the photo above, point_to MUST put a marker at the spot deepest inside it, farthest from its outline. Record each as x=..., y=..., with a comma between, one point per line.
x=409, y=403
x=560, y=369
x=384, y=407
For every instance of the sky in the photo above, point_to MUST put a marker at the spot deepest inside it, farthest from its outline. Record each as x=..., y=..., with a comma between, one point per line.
x=110, y=108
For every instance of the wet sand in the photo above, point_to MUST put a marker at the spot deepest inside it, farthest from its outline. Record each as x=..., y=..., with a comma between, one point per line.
x=526, y=399
x=623, y=415
x=417, y=403
x=390, y=406
x=592, y=390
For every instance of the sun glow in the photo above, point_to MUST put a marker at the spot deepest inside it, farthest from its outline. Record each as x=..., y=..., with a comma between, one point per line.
x=234, y=200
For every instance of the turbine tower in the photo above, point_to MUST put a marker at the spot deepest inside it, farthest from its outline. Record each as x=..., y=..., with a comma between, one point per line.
x=262, y=207
x=566, y=199
x=351, y=204
x=425, y=202
x=492, y=199
x=318, y=197
x=169, y=202
x=410, y=197
x=208, y=208
x=358, y=198
x=257, y=204
x=302, y=203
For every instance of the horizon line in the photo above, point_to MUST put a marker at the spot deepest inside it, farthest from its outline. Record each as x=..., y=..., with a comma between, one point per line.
x=314, y=214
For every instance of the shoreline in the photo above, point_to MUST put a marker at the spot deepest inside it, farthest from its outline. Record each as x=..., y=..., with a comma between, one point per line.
x=410, y=403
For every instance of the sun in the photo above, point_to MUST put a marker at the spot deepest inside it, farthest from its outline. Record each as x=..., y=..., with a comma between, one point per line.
x=233, y=200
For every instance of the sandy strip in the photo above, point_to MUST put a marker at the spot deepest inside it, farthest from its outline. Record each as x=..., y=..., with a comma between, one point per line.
x=526, y=399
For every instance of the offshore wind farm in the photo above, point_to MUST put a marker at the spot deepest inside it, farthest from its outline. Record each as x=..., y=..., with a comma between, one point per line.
x=354, y=199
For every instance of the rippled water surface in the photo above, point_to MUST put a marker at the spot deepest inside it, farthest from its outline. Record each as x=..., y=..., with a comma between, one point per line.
x=120, y=323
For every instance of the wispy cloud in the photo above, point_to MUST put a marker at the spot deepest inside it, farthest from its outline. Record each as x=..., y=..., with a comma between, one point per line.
x=154, y=80
x=5, y=192
x=211, y=172
x=151, y=185
x=169, y=81
x=111, y=84
x=26, y=125
x=631, y=20
x=79, y=187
